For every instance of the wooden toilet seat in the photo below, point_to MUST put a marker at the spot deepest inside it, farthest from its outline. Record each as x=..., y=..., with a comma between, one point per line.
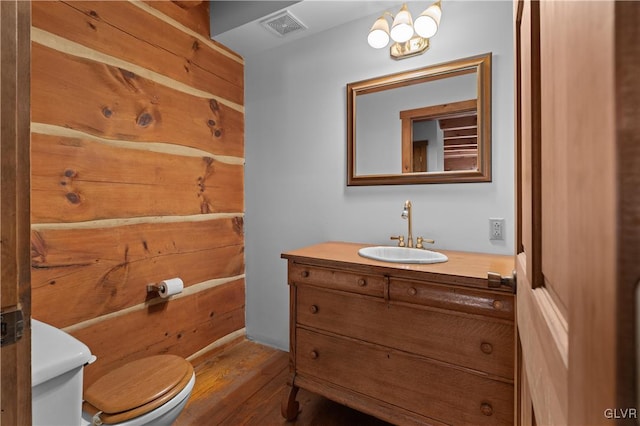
x=137, y=387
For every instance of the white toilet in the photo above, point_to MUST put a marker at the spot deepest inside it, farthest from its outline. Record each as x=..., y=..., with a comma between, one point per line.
x=148, y=391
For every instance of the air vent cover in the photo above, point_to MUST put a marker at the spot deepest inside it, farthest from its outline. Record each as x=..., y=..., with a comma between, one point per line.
x=283, y=23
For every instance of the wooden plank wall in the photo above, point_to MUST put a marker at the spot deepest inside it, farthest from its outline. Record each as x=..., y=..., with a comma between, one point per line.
x=137, y=176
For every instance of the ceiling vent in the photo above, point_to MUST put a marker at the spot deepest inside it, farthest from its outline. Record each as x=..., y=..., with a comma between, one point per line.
x=283, y=23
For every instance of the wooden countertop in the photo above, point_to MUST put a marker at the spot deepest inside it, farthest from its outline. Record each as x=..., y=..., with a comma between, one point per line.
x=474, y=266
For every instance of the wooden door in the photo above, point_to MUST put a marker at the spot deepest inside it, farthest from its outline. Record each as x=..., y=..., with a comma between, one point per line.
x=419, y=163
x=578, y=174
x=15, y=27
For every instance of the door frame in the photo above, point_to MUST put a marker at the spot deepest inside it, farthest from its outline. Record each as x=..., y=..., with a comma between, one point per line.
x=15, y=261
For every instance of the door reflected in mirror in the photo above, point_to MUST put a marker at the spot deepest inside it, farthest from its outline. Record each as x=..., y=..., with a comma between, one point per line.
x=431, y=125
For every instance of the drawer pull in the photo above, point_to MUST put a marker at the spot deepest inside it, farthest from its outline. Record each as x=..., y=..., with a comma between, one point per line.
x=305, y=274
x=487, y=348
x=313, y=354
x=412, y=291
x=362, y=282
x=313, y=309
x=486, y=409
x=497, y=304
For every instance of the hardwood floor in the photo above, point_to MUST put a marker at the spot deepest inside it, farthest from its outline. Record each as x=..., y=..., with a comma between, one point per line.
x=244, y=384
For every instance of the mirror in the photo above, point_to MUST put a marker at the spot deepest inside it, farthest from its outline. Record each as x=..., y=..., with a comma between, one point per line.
x=430, y=125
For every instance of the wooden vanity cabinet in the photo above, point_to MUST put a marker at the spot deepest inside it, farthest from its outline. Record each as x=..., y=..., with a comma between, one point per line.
x=410, y=344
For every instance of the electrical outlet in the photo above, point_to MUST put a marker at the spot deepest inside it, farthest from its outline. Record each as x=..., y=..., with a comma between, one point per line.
x=496, y=229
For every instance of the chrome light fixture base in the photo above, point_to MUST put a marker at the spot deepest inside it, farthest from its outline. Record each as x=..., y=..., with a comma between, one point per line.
x=416, y=46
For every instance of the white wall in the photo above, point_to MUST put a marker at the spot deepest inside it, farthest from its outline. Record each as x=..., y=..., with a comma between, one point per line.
x=296, y=193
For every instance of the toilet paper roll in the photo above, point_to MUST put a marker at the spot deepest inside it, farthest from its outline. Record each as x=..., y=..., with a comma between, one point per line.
x=170, y=287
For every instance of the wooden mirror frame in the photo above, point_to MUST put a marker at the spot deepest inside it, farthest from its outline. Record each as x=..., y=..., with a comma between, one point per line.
x=481, y=65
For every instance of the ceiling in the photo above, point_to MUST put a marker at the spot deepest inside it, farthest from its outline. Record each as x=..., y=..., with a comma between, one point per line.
x=248, y=36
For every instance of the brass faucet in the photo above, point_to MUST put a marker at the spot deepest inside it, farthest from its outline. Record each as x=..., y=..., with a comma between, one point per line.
x=420, y=241
x=406, y=214
x=400, y=239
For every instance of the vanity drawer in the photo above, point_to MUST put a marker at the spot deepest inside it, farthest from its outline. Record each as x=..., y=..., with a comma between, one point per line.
x=426, y=387
x=372, y=285
x=494, y=304
x=455, y=338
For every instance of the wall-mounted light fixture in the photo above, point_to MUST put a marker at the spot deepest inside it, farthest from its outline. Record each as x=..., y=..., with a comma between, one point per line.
x=410, y=37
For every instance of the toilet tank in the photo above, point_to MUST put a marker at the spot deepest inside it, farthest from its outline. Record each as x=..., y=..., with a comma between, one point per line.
x=57, y=361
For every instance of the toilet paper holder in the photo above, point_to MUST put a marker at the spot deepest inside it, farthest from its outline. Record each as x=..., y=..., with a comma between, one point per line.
x=153, y=288
x=166, y=288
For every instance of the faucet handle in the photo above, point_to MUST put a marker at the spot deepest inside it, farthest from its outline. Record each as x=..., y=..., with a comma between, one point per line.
x=420, y=240
x=400, y=239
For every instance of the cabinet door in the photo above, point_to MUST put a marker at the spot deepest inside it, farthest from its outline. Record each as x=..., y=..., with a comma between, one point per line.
x=574, y=121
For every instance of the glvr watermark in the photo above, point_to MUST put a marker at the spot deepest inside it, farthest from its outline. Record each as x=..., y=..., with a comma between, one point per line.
x=621, y=413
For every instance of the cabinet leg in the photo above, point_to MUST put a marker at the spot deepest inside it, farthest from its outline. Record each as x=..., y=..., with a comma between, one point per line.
x=290, y=406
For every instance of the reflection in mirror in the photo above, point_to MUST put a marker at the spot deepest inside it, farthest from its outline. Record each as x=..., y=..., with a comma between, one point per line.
x=430, y=125
x=440, y=138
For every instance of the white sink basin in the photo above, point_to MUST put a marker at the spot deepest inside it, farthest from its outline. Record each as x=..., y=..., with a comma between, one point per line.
x=402, y=255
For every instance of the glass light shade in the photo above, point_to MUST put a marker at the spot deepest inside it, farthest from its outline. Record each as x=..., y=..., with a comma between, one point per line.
x=379, y=34
x=427, y=23
x=402, y=28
